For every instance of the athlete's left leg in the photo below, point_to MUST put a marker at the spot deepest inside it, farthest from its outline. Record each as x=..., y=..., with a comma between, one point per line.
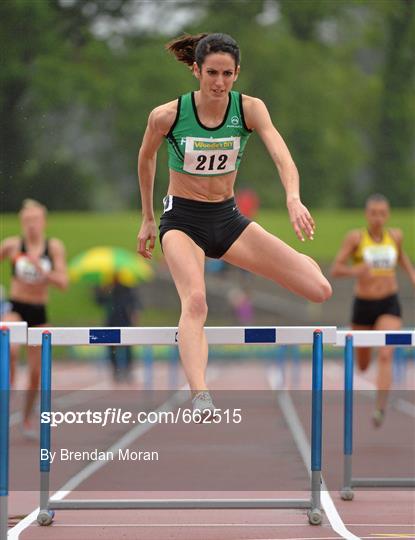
x=385, y=360
x=258, y=251
x=34, y=367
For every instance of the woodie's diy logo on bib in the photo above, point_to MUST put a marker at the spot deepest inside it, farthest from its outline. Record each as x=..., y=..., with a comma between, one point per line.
x=211, y=156
x=200, y=145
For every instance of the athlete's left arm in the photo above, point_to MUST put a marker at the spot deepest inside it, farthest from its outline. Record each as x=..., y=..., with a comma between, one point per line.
x=403, y=258
x=258, y=118
x=58, y=276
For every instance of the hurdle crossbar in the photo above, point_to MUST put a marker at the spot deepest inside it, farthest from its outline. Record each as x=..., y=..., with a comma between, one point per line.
x=48, y=337
x=10, y=333
x=18, y=331
x=364, y=338
x=376, y=338
x=283, y=335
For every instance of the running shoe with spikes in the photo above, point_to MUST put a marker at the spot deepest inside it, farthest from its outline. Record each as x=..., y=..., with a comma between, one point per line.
x=378, y=417
x=203, y=405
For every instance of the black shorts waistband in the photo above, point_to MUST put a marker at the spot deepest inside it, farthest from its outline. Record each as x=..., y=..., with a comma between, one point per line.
x=19, y=303
x=372, y=301
x=182, y=202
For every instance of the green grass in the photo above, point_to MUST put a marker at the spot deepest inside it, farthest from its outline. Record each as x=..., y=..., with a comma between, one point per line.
x=332, y=225
x=80, y=231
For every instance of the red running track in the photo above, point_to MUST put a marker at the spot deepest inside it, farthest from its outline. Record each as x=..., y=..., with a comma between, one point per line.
x=267, y=441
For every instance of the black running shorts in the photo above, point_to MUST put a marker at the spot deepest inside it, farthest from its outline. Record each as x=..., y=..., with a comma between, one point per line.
x=33, y=314
x=214, y=226
x=366, y=312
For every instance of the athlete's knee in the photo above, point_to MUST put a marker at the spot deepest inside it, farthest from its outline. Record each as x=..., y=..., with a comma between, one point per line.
x=363, y=358
x=322, y=291
x=195, y=305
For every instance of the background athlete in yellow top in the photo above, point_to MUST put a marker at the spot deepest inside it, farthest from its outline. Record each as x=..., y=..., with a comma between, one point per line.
x=374, y=253
x=37, y=263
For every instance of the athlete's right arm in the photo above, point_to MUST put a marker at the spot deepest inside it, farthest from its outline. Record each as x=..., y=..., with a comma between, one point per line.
x=340, y=266
x=158, y=125
x=7, y=247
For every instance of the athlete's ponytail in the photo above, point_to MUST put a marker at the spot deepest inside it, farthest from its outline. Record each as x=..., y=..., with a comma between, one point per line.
x=189, y=49
x=184, y=47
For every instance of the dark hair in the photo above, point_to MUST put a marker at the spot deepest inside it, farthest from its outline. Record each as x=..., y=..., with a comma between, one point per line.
x=189, y=49
x=376, y=198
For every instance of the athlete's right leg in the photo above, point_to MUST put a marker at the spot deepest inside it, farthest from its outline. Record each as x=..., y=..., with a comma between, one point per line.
x=186, y=262
x=258, y=251
x=14, y=349
x=385, y=365
x=363, y=354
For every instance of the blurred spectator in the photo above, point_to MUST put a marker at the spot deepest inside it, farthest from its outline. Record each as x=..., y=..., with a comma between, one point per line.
x=242, y=306
x=122, y=307
x=248, y=202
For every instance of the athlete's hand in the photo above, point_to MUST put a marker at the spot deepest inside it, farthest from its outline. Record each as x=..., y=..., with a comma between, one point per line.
x=42, y=275
x=301, y=219
x=361, y=270
x=147, y=234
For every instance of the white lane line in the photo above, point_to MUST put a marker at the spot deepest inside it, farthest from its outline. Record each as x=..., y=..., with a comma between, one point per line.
x=404, y=406
x=296, y=428
x=75, y=397
x=14, y=533
x=363, y=384
x=177, y=399
x=122, y=443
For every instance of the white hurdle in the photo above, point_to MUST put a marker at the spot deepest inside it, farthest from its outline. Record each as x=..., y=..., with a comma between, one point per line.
x=365, y=338
x=376, y=338
x=18, y=331
x=216, y=335
x=48, y=337
x=11, y=333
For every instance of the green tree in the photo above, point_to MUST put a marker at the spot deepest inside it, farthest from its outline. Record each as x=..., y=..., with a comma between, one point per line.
x=77, y=86
x=51, y=61
x=394, y=173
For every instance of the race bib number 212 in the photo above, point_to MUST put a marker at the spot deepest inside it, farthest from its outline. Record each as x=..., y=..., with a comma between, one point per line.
x=211, y=156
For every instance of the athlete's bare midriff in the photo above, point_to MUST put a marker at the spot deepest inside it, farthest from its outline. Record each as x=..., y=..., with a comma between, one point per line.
x=28, y=293
x=376, y=287
x=202, y=188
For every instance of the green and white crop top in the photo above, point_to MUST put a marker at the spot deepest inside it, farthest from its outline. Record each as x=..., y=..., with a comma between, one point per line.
x=199, y=150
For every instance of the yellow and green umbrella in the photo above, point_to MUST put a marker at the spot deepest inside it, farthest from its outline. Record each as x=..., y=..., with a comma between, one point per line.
x=100, y=265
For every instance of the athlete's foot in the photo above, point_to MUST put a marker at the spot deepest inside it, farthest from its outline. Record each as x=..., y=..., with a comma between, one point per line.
x=28, y=431
x=203, y=407
x=378, y=417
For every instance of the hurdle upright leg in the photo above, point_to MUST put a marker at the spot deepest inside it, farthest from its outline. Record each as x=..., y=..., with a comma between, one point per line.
x=314, y=514
x=45, y=516
x=4, y=428
x=347, y=493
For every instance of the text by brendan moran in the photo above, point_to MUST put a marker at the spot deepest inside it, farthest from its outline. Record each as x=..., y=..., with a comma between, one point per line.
x=126, y=454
